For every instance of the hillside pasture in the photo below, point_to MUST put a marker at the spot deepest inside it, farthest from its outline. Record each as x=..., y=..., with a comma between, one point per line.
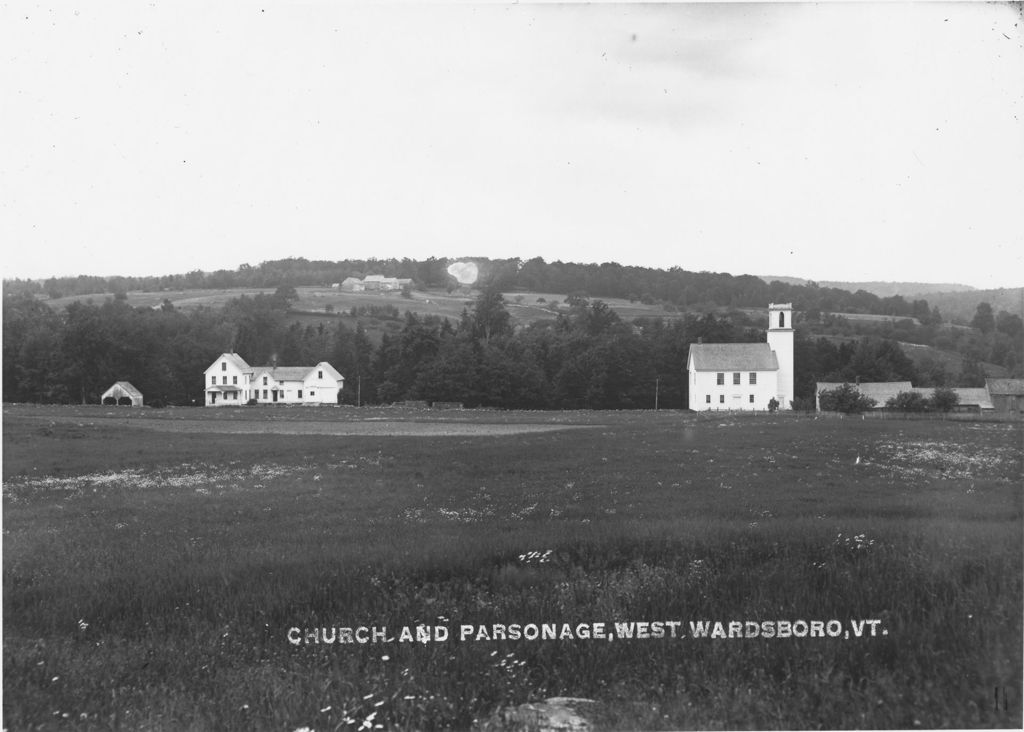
x=155, y=562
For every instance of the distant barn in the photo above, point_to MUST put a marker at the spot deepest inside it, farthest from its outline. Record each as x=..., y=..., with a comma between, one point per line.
x=123, y=394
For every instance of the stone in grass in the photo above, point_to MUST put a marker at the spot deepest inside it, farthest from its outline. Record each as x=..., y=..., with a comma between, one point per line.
x=557, y=714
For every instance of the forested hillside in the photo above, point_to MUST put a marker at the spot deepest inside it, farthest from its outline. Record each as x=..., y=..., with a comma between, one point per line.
x=676, y=286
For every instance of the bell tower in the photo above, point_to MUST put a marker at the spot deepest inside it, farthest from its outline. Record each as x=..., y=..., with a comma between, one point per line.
x=780, y=340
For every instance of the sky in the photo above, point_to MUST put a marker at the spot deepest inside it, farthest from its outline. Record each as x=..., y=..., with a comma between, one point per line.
x=831, y=141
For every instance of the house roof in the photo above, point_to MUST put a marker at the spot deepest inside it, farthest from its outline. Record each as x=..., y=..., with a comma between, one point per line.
x=1005, y=387
x=297, y=373
x=733, y=357
x=880, y=391
x=234, y=359
x=970, y=396
x=286, y=373
x=351, y=281
x=331, y=371
x=126, y=387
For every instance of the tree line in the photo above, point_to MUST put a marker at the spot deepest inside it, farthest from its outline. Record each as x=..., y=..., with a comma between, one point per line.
x=677, y=287
x=586, y=358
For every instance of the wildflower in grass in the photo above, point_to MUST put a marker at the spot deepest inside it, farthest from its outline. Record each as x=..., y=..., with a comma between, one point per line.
x=385, y=658
x=325, y=709
x=82, y=625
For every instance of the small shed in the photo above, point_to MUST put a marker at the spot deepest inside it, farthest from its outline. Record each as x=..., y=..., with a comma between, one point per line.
x=122, y=394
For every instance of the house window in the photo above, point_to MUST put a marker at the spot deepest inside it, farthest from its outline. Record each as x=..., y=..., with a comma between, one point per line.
x=751, y=398
x=736, y=379
x=224, y=379
x=264, y=384
x=707, y=399
x=234, y=379
x=223, y=365
x=753, y=377
x=721, y=398
x=264, y=393
x=720, y=379
x=213, y=379
x=319, y=374
x=300, y=393
x=311, y=393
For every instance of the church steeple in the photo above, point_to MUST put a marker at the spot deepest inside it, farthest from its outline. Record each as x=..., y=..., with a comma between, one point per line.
x=780, y=339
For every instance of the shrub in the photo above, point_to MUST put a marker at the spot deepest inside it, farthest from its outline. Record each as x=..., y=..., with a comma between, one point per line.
x=845, y=398
x=908, y=401
x=944, y=399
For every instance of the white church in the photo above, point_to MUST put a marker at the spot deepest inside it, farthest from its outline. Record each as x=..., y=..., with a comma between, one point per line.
x=745, y=376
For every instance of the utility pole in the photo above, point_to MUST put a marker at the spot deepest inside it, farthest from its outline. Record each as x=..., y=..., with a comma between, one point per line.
x=657, y=385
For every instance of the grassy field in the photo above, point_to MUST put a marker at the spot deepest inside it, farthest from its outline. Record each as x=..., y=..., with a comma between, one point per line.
x=154, y=562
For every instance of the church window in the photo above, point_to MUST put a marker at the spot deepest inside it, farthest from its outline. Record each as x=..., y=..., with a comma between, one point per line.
x=736, y=379
x=751, y=398
x=782, y=320
x=721, y=379
x=753, y=377
x=721, y=398
x=707, y=398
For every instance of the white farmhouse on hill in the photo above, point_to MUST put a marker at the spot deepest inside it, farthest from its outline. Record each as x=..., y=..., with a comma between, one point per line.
x=745, y=375
x=230, y=381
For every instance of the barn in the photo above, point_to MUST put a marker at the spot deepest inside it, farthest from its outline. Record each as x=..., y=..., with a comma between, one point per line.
x=122, y=393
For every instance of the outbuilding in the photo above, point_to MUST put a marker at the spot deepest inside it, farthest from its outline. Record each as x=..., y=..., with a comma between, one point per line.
x=122, y=393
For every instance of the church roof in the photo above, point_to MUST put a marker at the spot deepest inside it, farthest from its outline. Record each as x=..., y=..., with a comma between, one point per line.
x=733, y=357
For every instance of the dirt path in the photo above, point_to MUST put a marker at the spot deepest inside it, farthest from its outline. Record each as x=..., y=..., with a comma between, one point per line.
x=376, y=428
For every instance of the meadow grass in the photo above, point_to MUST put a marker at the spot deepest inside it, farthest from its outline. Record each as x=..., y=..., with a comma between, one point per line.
x=150, y=578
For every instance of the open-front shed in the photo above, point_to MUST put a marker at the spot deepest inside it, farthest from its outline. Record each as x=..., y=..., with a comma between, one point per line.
x=124, y=394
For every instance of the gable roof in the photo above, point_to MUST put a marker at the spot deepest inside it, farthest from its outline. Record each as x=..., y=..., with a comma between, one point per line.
x=1005, y=387
x=880, y=391
x=285, y=373
x=296, y=373
x=127, y=388
x=733, y=357
x=331, y=371
x=970, y=396
x=883, y=391
x=234, y=359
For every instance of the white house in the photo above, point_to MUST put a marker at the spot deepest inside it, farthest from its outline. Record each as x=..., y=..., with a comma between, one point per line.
x=745, y=376
x=231, y=381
